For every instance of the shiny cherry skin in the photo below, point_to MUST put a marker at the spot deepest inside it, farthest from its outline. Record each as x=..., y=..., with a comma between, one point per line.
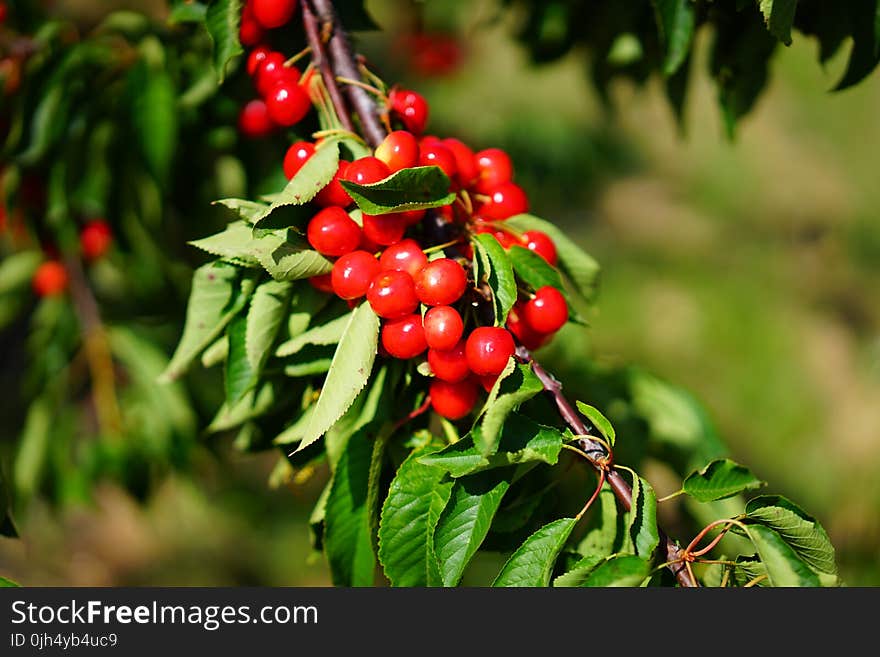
x=287, y=103
x=453, y=400
x=524, y=333
x=406, y=255
x=547, y=311
x=271, y=70
x=436, y=154
x=331, y=232
x=540, y=243
x=392, y=294
x=322, y=282
x=399, y=150
x=404, y=338
x=441, y=282
x=296, y=156
x=384, y=229
x=366, y=171
x=334, y=193
x=467, y=171
x=352, y=274
x=443, y=327
x=505, y=200
x=273, y=13
x=450, y=364
x=254, y=120
x=494, y=167
x=411, y=108
x=488, y=350
x=256, y=57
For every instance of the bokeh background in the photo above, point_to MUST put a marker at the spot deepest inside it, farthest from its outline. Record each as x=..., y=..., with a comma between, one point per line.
x=747, y=271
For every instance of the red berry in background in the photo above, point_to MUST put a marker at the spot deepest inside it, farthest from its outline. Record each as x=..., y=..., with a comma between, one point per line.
x=406, y=255
x=384, y=229
x=440, y=156
x=524, y=333
x=450, y=364
x=95, y=239
x=322, y=282
x=332, y=232
x=50, y=279
x=441, y=282
x=430, y=54
x=547, y=311
x=412, y=217
x=352, y=274
x=399, y=150
x=443, y=327
x=494, y=167
x=505, y=200
x=256, y=57
x=411, y=108
x=254, y=120
x=465, y=163
x=404, y=337
x=272, y=13
x=366, y=170
x=271, y=70
x=250, y=32
x=540, y=243
x=392, y=294
x=4, y=12
x=334, y=193
x=488, y=381
x=505, y=238
x=287, y=103
x=453, y=400
x=488, y=348
x=296, y=156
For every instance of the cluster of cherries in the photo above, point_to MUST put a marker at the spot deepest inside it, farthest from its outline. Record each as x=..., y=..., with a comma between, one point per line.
x=424, y=293
x=51, y=277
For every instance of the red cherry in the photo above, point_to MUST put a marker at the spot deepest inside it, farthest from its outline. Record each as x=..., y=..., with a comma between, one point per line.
x=495, y=167
x=273, y=13
x=464, y=162
x=453, y=400
x=399, y=150
x=322, y=282
x=450, y=364
x=367, y=170
x=524, y=333
x=50, y=279
x=254, y=120
x=488, y=381
x=443, y=327
x=271, y=71
x=392, y=294
x=384, y=229
x=488, y=349
x=334, y=193
x=404, y=338
x=296, y=156
x=406, y=255
x=250, y=32
x=411, y=108
x=438, y=155
x=547, y=311
x=256, y=57
x=412, y=217
x=288, y=104
x=95, y=239
x=505, y=200
x=352, y=274
x=540, y=243
x=332, y=232
x=441, y=282
x=504, y=238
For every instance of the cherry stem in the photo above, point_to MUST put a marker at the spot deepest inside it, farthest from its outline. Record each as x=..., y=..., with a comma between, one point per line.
x=363, y=85
x=414, y=414
x=594, y=495
x=597, y=455
x=319, y=59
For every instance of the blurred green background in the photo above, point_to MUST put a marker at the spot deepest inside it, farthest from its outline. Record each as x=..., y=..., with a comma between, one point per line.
x=745, y=271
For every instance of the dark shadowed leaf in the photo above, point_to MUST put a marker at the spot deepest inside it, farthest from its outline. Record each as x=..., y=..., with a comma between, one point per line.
x=223, y=19
x=643, y=531
x=676, y=20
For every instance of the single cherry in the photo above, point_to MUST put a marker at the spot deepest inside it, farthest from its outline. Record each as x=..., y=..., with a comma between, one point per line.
x=547, y=311
x=465, y=163
x=441, y=282
x=273, y=13
x=296, y=156
x=411, y=108
x=352, y=274
x=399, y=150
x=271, y=70
x=384, y=229
x=287, y=103
x=488, y=349
x=494, y=167
x=438, y=155
x=250, y=32
x=443, y=327
x=366, y=170
x=450, y=364
x=334, y=193
x=406, y=255
x=505, y=200
x=540, y=243
x=392, y=294
x=256, y=57
x=50, y=279
x=254, y=120
x=404, y=337
x=95, y=239
x=331, y=232
x=322, y=282
x=453, y=400
x=523, y=331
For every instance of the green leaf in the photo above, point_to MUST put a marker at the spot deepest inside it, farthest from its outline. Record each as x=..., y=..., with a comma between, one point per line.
x=211, y=306
x=323, y=334
x=405, y=534
x=522, y=441
x=492, y=264
x=314, y=175
x=512, y=391
x=251, y=405
x=223, y=19
x=779, y=17
x=187, y=12
x=310, y=361
x=265, y=316
x=594, y=415
x=784, y=567
x=580, y=268
x=414, y=188
x=348, y=539
x=287, y=258
x=643, y=530
x=239, y=376
x=608, y=532
x=349, y=372
x=619, y=570
x=247, y=210
x=8, y=583
x=236, y=241
x=578, y=573
x=533, y=562
x=864, y=19
x=17, y=269
x=33, y=448
x=48, y=122
x=801, y=531
x=676, y=20
x=154, y=118
x=466, y=519
x=721, y=478
x=533, y=270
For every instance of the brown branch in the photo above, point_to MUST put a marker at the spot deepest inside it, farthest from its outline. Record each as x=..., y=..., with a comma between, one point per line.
x=345, y=65
x=319, y=57
x=597, y=455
